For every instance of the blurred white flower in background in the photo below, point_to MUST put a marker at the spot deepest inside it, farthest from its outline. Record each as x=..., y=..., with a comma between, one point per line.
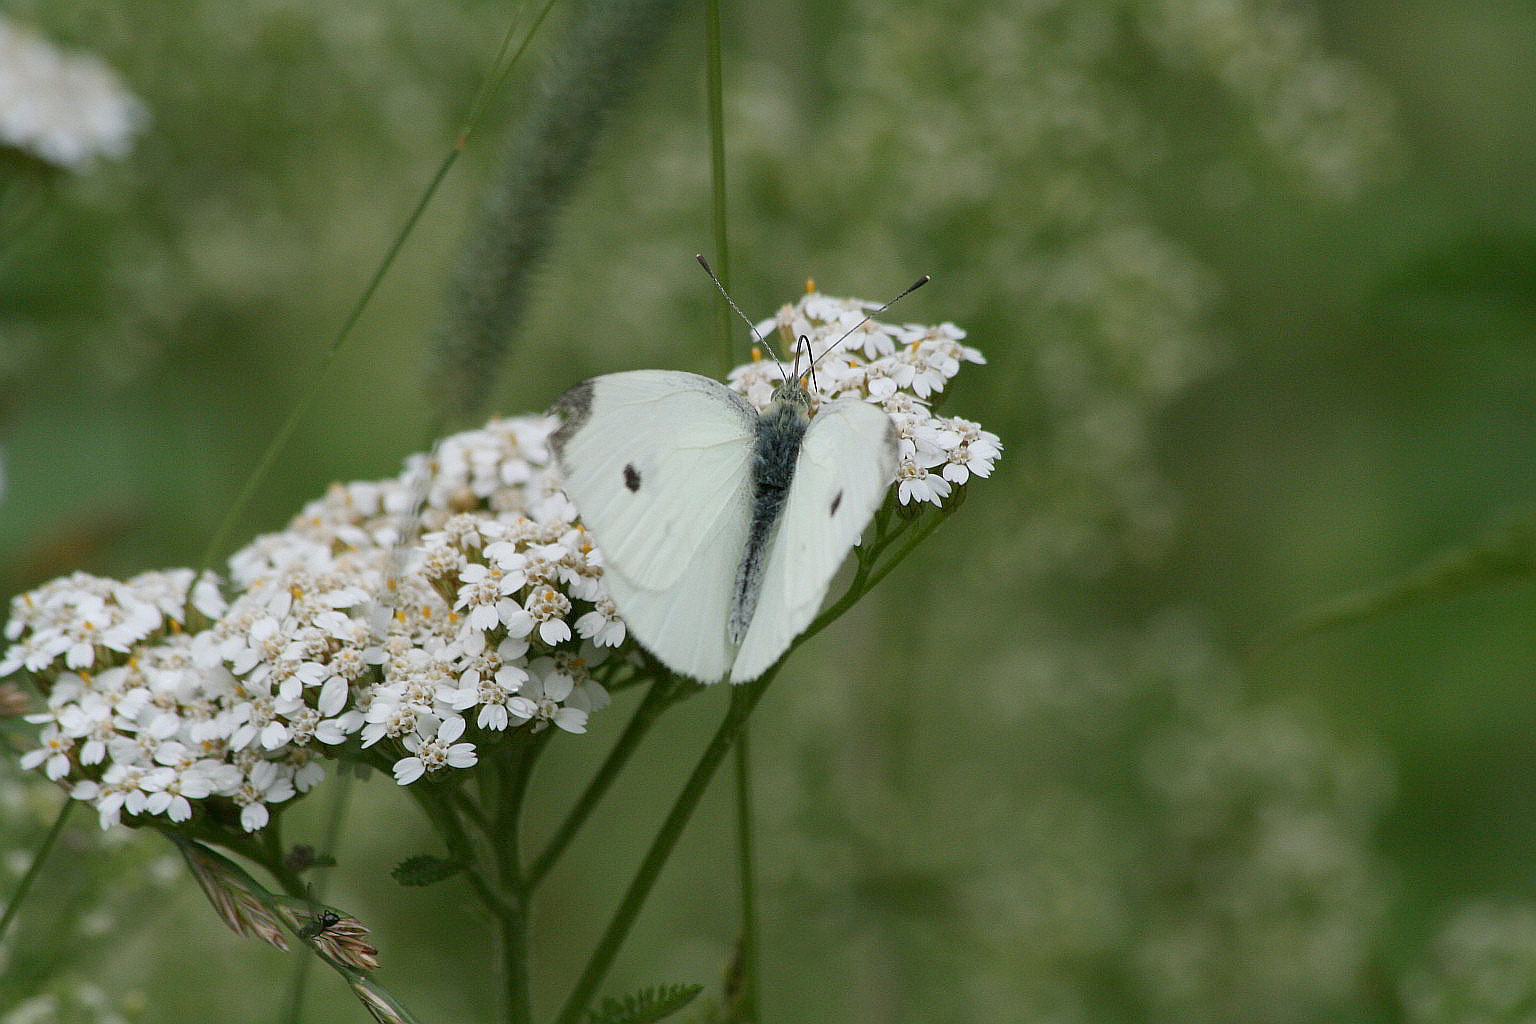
x=1482, y=967
x=66, y=109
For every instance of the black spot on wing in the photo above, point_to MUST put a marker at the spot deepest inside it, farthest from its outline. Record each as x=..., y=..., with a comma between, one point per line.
x=574, y=409
x=631, y=477
x=835, y=503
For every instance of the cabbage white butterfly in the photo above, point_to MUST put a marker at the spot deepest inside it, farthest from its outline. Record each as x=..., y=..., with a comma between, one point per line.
x=720, y=527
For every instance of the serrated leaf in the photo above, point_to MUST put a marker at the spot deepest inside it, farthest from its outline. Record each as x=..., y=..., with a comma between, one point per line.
x=425, y=869
x=645, y=1006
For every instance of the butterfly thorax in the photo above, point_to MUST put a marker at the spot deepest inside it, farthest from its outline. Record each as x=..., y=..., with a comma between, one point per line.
x=775, y=449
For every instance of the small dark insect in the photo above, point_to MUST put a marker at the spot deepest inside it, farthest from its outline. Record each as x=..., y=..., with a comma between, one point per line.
x=320, y=924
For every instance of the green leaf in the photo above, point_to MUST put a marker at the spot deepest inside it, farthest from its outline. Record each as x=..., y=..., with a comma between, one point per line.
x=425, y=869
x=650, y=1004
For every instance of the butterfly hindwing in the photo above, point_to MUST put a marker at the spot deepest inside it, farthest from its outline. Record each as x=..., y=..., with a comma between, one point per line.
x=847, y=462
x=658, y=463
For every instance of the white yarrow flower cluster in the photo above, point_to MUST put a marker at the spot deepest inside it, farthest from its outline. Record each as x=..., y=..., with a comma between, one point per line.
x=903, y=368
x=402, y=624
x=64, y=109
x=368, y=630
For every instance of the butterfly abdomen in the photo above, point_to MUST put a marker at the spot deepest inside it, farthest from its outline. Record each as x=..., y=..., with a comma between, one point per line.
x=775, y=450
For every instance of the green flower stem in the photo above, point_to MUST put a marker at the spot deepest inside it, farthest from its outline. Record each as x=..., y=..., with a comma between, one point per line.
x=13, y=906
x=661, y=695
x=744, y=984
x=513, y=771
x=714, y=90
x=317, y=377
x=460, y=848
x=922, y=533
x=303, y=968
x=742, y=992
x=661, y=847
x=742, y=703
x=868, y=574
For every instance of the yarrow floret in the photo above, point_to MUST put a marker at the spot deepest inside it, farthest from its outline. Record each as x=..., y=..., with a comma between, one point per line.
x=403, y=624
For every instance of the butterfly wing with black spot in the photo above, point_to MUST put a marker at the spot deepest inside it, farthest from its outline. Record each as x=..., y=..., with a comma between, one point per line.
x=658, y=463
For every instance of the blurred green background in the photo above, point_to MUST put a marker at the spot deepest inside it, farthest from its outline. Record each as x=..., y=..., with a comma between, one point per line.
x=1256, y=282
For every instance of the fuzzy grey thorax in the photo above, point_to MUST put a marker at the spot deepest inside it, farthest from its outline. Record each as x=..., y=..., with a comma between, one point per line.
x=780, y=429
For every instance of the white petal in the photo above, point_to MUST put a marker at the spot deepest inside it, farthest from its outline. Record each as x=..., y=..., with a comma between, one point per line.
x=333, y=696
x=408, y=770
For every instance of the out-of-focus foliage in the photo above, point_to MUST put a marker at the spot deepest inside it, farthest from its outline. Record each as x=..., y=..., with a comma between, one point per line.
x=1255, y=281
x=1198, y=856
x=103, y=903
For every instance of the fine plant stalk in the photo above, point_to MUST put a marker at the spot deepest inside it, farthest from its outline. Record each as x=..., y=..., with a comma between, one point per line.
x=460, y=849
x=384, y=1006
x=318, y=378
x=661, y=848
x=662, y=694
x=743, y=701
x=714, y=90
x=743, y=987
x=302, y=969
x=869, y=575
x=13, y=905
x=512, y=771
x=328, y=359
x=1501, y=552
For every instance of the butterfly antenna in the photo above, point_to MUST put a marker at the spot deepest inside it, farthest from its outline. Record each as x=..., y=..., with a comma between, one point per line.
x=744, y=319
x=908, y=290
x=810, y=364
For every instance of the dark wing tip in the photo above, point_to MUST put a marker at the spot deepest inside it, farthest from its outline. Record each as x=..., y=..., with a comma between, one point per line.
x=574, y=409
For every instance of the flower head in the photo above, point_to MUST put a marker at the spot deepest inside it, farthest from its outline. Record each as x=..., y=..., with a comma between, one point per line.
x=903, y=368
x=402, y=623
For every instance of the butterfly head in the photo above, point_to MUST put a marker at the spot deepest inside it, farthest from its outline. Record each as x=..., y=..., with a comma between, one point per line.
x=793, y=393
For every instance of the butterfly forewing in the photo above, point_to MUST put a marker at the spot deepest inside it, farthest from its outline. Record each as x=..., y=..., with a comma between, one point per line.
x=657, y=463
x=847, y=462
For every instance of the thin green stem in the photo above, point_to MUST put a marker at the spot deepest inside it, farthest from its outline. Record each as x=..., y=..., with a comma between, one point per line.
x=657, y=699
x=714, y=90
x=742, y=704
x=922, y=533
x=303, y=966
x=459, y=846
x=744, y=984
x=661, y=848
x=744, y=1000
x=467, y=807
x=513, y=770
x=13, y=905
x=318, y=377
x=514, y=959
x=339, y=340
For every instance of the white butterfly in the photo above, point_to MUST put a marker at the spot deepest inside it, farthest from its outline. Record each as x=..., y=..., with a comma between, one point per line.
x=720, y=528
